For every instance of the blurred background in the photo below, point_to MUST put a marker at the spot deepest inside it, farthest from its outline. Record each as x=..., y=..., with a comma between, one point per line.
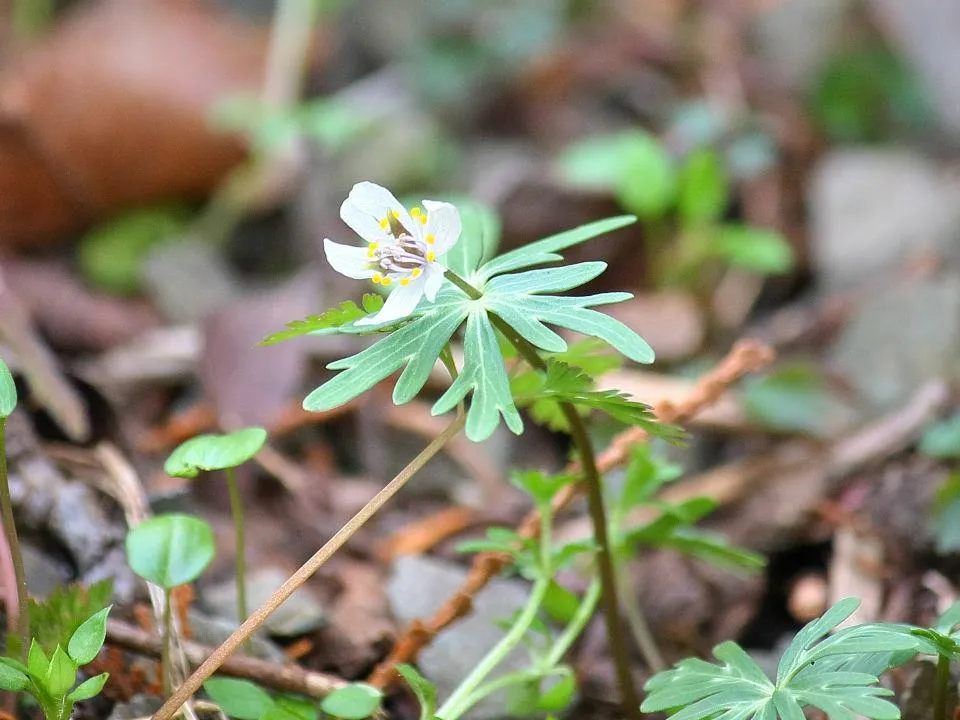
x=169, y=168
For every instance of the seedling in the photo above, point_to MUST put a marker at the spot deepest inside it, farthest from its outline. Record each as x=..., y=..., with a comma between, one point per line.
x=209, y=453
x=8, y=403
x=168, y=551
x=943, y=642
x=244, y=700
x=52, y=681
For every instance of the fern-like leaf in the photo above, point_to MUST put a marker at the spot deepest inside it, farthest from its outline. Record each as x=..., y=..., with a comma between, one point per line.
x=329, y=321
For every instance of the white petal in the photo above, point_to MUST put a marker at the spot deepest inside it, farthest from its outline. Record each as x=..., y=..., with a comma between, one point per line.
x=367, y=205
x=348, y=260
x=401, y=302
x=432, y=280
x=443, y=222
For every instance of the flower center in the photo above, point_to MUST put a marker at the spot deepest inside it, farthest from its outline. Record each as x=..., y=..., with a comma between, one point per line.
x=404, y=256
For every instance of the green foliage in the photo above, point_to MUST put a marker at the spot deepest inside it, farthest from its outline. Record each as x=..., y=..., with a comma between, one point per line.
x=215, y=452
x=793, y=397
x=704, y=192
x=749, y=248
x=170, y=550
x=540, y=486
x=425, y=690
x=942, y=439
x=8, y=392
x=868, y=94
x=813, y=671
x=52, y=680
x=352, y=702
x=565, y=384
x=946, y=515
x=54, y=620
x=328, y=321
x=244, y=700
x=112, y=255
x=239, y=699
x=521, y=300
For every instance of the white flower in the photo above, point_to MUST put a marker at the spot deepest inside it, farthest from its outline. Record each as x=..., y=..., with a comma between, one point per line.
x=402, y=247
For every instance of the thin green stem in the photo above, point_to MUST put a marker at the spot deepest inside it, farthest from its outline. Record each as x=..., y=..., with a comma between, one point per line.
x=940, y=688
x=598, y=515
x=165, y=649
x=236, y=509
x=638, y=624
x=281, y=594
x=463, y=697
x=13, y=542
x=585, y=611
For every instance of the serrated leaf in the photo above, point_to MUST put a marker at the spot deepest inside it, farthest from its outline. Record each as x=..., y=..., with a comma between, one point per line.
x=238, y=699
x=89, y=688
x=87, y=640
x=812, y=672
x=484, y=373
x=545, y=251
x=563, y=383
x=330, y=320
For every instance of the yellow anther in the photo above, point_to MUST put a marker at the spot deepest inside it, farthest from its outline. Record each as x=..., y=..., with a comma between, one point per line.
x=396, y=215
x=386, y=281
x=423, y=219
x=415, y=272
x=371, y=253
x=431, y=239
x=431, y=256
x=377, y=279
x=415, y=213
x=405, y=281
x=385, y=224
x=374, y=245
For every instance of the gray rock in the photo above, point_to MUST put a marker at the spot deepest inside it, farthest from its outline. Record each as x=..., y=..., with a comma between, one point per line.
x=139, y=706
x=79, y=522
x=211, y=631
x=872, y=209
x=795, y=37
x=44, y=573
x=900, y=338
x=299, y=615
x=418, y=586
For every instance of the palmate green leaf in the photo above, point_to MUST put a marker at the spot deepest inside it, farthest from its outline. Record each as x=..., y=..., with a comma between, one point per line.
x=329, y=321
x=813, y=671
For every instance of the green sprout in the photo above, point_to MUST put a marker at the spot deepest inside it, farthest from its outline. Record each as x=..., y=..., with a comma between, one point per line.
x=170, y=550
x=52, y=681
x=943, y=642
x=8, y=403
x=208, y=453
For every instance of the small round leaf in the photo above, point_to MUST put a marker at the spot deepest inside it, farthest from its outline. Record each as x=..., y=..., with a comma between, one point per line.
x=8, y=391
x=215, y=452
x=170, y=550
x=239, y=699
x=352, y=702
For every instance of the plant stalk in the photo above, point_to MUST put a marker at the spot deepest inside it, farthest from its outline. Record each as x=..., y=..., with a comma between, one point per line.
x=598, y=515
x=166, y=649
x=260, y=615
x=13, y=541
x=236, y=509
x=940, y=688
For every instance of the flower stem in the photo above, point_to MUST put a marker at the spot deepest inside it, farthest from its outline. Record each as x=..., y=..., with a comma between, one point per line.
x=940, y=686
x=260, y=615
x=598, y=515
x=13, y=541
x=165, y=649
x=236, y=509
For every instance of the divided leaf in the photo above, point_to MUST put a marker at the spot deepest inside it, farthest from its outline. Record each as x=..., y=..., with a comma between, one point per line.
x=813, y=671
